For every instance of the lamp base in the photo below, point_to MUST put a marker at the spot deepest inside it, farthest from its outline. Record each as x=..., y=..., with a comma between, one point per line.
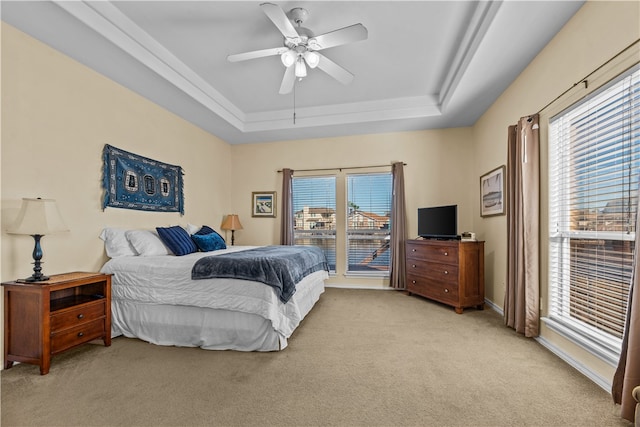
x=32, y=279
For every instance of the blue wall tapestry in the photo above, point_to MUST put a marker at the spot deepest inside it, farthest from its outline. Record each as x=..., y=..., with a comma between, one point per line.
x=131, y=181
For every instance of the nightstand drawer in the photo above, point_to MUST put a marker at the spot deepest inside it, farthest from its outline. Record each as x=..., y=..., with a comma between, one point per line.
x=78, y=315
x=78, y=335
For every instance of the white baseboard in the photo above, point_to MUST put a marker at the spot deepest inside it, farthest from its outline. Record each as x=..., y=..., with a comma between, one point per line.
x=604, y=383
x=347, y=286
x=494, y=307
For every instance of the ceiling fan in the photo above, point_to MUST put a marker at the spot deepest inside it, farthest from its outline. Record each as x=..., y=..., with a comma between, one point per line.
x=301, y=47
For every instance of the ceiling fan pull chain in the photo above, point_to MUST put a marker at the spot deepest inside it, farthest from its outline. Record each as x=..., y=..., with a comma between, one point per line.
x=294, y=102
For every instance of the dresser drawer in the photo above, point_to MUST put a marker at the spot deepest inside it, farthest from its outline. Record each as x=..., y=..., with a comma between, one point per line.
x=437, y=271
x=77, y=335
x=446, y=292
x=77, y=315
x=443, y=253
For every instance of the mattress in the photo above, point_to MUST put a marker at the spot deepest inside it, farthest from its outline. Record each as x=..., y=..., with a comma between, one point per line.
x=155, y=299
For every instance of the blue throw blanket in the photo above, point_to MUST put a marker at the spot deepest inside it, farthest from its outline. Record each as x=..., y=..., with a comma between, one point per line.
x=280, y=267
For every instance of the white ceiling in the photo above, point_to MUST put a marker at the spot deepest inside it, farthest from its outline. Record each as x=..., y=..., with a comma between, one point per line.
x=425, y=64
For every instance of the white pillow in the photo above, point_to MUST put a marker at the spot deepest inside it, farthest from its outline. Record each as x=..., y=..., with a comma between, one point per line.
x=147, y=243
x=192, y=229
x=116, y=243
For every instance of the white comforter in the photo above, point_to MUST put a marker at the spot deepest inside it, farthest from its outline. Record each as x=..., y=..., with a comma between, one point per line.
x=167, y=280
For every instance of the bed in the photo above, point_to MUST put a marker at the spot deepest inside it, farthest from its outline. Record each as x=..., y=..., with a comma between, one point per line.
x=155, y=299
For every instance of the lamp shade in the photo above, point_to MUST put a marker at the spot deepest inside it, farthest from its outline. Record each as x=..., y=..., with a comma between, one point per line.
x=38, y=217
x=288, y=58
x=301, y=69
x=231, y=222
x=312, y=59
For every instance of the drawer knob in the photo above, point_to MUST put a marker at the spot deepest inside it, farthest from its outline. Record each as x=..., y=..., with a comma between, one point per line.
x=413, y=265
x=413, y=281
x=413, y=250
x=446, y=253
x=80, y=334
x=446, y=291
x=80, y=316
x=446, y=272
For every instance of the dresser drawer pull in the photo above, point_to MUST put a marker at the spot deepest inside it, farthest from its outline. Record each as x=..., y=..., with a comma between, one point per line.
x=80, y=334
x=446, y=291
x=446, y=253
x=413, y=250
x=446, y=272
x=413, y=281
x=80, y=316
x=413, y=265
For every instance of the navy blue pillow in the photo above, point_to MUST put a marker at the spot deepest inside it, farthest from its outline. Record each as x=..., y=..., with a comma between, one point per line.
x=208, y=230
x=209, y=242
x=177, y=240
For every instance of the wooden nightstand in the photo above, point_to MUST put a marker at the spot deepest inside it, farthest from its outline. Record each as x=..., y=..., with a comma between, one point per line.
x=46, y=318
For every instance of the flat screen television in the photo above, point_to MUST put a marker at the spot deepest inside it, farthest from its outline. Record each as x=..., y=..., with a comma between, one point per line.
x=438, y=222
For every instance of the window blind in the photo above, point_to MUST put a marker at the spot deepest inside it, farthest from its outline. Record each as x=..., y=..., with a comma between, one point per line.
x=314, y=214
x=368, y=222
x=594, y=165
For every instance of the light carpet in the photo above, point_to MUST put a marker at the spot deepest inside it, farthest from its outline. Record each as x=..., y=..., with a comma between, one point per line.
x=360, y=358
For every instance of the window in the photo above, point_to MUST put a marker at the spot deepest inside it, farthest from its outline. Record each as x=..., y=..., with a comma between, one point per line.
x=314, y=213
x=362, y=223
x=594, y=164
x=368, y=223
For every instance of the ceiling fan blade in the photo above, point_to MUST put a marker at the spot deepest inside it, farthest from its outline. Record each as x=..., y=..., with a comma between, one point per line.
x=350, y=34
x=288, y=80
x=279, y=18
x=334, y=70
x=257, y=54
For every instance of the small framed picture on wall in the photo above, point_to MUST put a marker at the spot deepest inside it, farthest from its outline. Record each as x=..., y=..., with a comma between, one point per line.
x=263, y=204
x=492, y=195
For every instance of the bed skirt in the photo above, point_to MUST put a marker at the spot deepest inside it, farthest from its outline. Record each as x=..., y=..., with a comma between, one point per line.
x=208, y=328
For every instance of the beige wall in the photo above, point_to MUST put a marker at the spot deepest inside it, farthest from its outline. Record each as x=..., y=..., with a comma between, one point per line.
x=56, y=117
x=439, y=171
x=594, y=35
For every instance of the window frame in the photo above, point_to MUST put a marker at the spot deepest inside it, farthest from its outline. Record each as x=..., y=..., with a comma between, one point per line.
x=603, y=345
x=369, y=273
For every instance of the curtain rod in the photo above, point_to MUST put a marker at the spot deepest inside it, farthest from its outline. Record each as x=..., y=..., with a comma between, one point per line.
x=584, y=79
x=340, y=169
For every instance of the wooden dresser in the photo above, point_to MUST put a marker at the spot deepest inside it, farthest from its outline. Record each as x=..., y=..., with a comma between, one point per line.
x=448, y=271
x=45, y=318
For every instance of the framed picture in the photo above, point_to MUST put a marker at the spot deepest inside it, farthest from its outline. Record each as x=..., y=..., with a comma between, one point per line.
x=263, y=203
x=492, y=196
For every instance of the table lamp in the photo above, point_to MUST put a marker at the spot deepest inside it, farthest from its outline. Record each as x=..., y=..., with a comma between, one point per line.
x=231, y=222
x=38, y=217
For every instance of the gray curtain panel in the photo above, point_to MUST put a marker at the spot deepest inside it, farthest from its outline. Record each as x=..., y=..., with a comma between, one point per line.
x=627, y=375
x=398, y=228
x=286, y=227
x=522, y=295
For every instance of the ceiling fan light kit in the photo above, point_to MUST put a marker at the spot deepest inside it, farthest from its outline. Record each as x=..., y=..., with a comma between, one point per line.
x=301, y=46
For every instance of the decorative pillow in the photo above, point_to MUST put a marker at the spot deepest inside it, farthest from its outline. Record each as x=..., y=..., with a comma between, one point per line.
x=116, y=243
x=192, y=229
x=209, y=242
x=146, y=243
x=208, y=230
x=177, y=240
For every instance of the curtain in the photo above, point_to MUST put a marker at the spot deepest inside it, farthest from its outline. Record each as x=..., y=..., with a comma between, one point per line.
x=521, y=302
x=398, y=227
x=627, y=375
x=286, y=228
